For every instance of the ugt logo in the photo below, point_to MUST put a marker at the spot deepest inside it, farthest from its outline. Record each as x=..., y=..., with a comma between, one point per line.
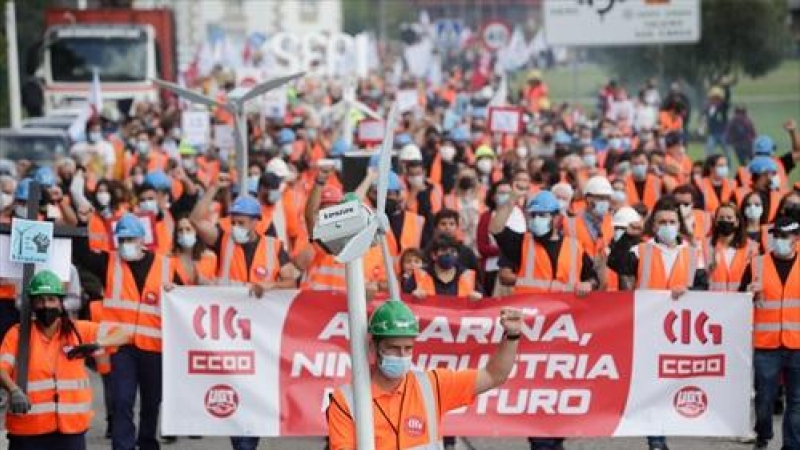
x=210, y=321
x=685, y=328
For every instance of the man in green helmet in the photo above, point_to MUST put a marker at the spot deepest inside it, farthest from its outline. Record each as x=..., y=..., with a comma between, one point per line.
x=408, y=405
x=56, y=409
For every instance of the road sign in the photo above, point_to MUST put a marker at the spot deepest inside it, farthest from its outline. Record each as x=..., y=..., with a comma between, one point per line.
x=495, y=35
x=618, y=22
x=448, y=33
x=30, y=241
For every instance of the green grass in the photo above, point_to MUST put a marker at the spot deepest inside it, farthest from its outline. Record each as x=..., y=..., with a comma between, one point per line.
x=770, y=100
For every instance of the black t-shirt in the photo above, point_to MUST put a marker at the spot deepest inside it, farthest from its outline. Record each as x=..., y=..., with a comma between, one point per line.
x=783, y=266
x=510, y=243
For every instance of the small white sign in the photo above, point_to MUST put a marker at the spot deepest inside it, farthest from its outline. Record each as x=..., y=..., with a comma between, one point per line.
x=371, y=131
x=505, y=120
x=632, y=22
x=31, y=241
x=196, y=126
x=223, y=137
x=275, y=103
x=60, y=266
x=407, y=99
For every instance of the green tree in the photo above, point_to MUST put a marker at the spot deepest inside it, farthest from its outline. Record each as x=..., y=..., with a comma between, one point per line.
x=365, y=15
x=737, y=36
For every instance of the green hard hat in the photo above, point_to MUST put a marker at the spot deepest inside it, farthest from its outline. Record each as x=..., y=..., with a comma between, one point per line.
x=393, y=319
x=46, y=283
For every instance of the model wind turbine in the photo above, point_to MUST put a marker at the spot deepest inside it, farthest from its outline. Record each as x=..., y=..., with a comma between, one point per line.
x=348, y=230
x=235, y=105
x=344, y=107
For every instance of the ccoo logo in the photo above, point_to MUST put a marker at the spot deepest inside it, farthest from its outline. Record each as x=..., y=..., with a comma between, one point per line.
x=221, y=401
x=690, y=402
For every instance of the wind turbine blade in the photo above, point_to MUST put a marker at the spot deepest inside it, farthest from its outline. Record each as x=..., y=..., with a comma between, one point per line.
x=193, y=96
x=391, y=277
x=385, y=162
x=269, y=85
x=359, y=244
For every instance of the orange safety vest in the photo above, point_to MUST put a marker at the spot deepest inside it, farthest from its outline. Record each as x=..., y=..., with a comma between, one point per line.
x=776, y=318
x=451, y=200
x=411, y=236
x=651, y=273
x=684, y=166
x=326, y=274
x=157, y=160
x=727, y=277
x=205, y=267
x=164, y=230
x=650, y=194
x=8, y=291
x=535, y=273
x=138, y=313
x=233, y=265
x=98, y=231
x=702, y=225
x=576, y=227
x=59, y=389
x=466, y=282
x=436, y=196
x=710, y=198
x=102, y=359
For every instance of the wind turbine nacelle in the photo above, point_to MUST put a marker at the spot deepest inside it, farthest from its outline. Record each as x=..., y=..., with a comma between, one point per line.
x=336, y=225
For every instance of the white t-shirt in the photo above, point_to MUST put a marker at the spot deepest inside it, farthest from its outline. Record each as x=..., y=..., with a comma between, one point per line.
x=670, y=254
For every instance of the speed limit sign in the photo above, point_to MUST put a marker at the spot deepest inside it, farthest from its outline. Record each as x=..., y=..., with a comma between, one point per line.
x=496, y=35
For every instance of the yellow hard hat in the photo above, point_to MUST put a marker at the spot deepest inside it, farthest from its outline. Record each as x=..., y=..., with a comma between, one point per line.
x=534, y=75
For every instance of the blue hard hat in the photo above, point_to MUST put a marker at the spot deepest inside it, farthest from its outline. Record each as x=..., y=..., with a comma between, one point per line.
x=286, y=136
x=402, y=139
x=339, y=147
x=762, y=164
x=129, y=226
x=21, y=193
x=45, y=176
x=246, y=206
x=394, y=182
x=543, y=202
x=159, y=180
x=459, y=135
x=763, y=145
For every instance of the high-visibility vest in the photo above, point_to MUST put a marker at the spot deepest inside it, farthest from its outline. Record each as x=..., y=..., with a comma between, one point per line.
x=650, y=194
x=205, y=267
x=575, y=227
x=776, y=318
x=451, y=200
x=157, y=160
x=59, y=389
x=651, y=273
x=710, y=198
x=98, y=232
x=8, y=290
x=684, y=164
x=410, y=237
x=535, y=273
x=274, y=215
x=435, y=172
x=164, y=230
x=435, y=196
x=466, y=282
x=422, y=387
x=326, y=274
x=702, y=225
x=233, y=265
x=102, y=358
x=138, y=313
x=726, y=277
x=774, y=201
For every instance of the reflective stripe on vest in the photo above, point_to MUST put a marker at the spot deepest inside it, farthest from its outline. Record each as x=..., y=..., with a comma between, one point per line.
x=646, y=262
x=726, y=277
x=428, y=401
x=61, y=408
x=61, y=385
x=227, y=260
x=8, y=358
x=327, y=277
x=529, y=280
x=279, y=221
x=777, y=316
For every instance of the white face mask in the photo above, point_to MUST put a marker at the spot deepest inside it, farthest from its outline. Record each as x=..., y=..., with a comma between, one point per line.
x=129, y=251
x=686, y=211
x=619, y=196
x=150, y=206
x=189, y=164
x=502, y=199
x=590, y=160
x=21, y=211
x=6, y=200
x=273, y=196
x=447, y=152
x=775, y=182
x=104, y=198
x=484, y=165
x=417, y=181
x=753, y=212
x=782, y=246
x=522, y=152
x=187, y=240
x=240, y=234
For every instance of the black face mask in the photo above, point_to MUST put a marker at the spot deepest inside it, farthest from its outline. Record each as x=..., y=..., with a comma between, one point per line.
x=466, y=184
x=793, y=211
x=725, y=227
x=391, y=206
x=46, y=316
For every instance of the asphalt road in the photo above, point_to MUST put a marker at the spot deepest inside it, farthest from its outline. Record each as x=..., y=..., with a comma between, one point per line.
x=97, y=441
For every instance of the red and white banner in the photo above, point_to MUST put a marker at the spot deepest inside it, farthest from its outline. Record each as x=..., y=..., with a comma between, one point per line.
x=606, y=365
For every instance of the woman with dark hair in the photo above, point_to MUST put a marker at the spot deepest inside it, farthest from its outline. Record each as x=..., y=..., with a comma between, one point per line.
x=194, y=263
x=108, y=208
x=729, y=250
x=790, y=206
x=756, y=228
x=489, y=252
x=715, y=185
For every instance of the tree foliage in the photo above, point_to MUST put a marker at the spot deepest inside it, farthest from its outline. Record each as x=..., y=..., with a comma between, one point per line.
x=365, y=15
x=749, y=37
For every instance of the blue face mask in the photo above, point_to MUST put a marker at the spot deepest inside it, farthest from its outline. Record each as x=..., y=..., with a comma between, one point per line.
x=782, y=247
x=601, y=208
x=446, y=261
x=394, y=367
x=667, y=234
x=722, y=171
x=639, y=171
x=539, y=226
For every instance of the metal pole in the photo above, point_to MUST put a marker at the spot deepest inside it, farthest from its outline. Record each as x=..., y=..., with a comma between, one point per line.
x=13, y=66
x=28, y=269
x=362, y=392
x=241, y=150
x=575, y=75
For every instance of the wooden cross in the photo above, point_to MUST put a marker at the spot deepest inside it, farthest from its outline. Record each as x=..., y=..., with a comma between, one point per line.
x=23, y=348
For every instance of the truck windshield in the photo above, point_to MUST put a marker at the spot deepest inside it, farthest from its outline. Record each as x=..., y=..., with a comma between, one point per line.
x=33, y=148
x=117, y=59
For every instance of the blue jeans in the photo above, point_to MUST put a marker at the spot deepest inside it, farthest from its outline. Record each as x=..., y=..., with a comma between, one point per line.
x=133, y=368
x=52, y=441
x=769, y=365
x=717, y=140
x=244, y=442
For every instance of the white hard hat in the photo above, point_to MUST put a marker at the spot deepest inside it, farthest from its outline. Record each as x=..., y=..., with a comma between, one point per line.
x=598, y=185
x=278, y=167
x=625, y=216
x=410, y=152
